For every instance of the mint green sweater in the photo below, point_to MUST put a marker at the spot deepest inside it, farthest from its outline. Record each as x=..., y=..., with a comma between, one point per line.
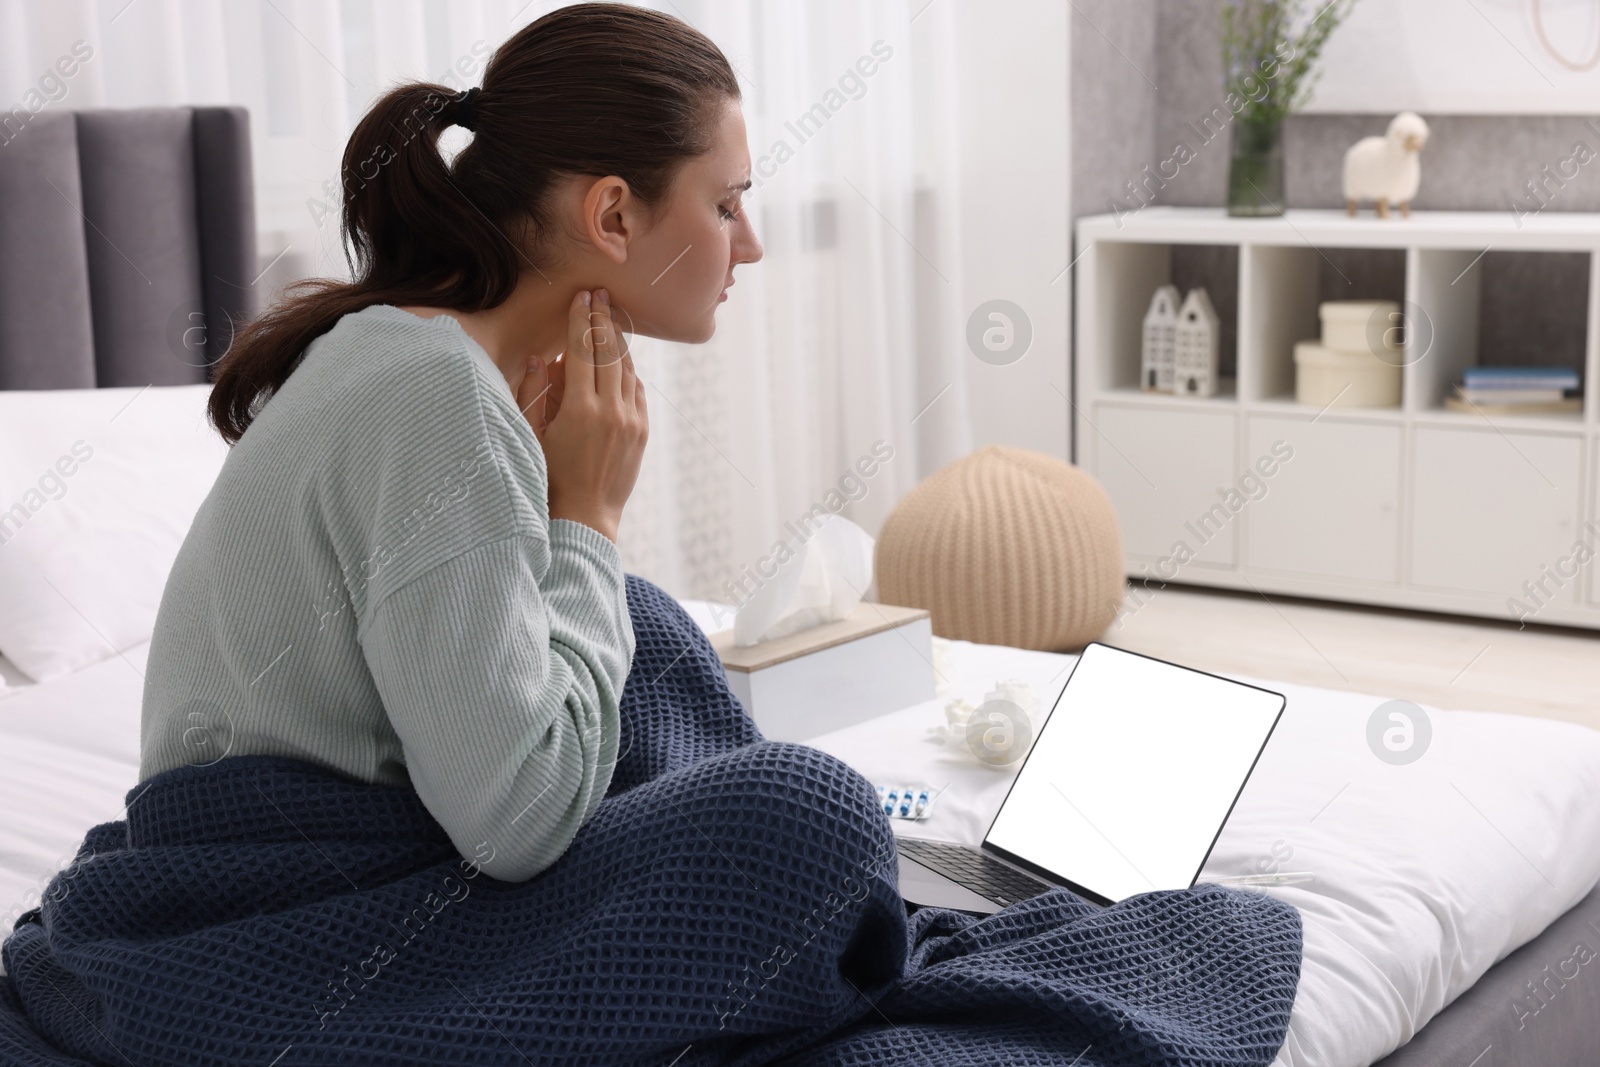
x=374, y=585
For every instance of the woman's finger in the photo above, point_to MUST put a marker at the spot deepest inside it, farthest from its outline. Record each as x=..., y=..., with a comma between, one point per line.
x=556, y=371
x=580, y=346
x=629, y=389
x=607, y=369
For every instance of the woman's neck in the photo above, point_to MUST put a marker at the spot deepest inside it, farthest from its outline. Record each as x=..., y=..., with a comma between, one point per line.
x=531, y=323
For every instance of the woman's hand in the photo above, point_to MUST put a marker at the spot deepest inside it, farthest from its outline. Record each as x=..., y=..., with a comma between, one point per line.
x=589, y=414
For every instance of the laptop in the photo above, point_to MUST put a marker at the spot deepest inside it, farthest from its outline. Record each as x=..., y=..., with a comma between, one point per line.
x=1125, y=791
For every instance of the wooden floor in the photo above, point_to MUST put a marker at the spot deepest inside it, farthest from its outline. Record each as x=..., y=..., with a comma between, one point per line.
x=1450, y=662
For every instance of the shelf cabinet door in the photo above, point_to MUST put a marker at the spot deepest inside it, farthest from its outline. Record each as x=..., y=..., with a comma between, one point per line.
x=1331, y=510
x=1490, y=509
x=1164, y=471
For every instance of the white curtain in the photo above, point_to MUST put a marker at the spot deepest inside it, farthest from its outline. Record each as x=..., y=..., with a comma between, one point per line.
x=843, y=345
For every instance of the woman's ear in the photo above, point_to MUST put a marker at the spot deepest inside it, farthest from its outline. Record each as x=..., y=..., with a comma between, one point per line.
x=610, y=217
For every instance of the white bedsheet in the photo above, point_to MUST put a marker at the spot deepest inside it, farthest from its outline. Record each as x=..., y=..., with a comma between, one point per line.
x=69, y=753
x=1426, y=874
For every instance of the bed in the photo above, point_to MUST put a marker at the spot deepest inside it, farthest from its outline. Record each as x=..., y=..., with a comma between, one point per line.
x=1442, y=888
x=1453, y=919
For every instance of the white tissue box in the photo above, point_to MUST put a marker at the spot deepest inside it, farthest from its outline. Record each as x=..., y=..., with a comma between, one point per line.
x=876, y=660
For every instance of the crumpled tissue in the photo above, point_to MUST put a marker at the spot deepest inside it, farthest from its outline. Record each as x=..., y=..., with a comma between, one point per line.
x=822, y=581
x=998, y=732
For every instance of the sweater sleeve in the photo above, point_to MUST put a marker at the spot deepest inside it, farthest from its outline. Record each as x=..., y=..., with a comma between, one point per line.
x=504, y=690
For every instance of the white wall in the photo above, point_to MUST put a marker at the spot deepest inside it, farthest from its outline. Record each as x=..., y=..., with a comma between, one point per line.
x=1015, y=235
x=1444, y=57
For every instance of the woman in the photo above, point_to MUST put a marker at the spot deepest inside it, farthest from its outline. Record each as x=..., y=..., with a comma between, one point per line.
x=383, y=524
x=427, y=779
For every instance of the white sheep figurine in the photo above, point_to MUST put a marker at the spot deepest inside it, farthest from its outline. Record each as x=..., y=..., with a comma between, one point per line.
x=1386, y=169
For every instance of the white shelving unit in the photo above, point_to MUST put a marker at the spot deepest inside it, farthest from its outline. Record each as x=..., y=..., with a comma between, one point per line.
x=1413, y=506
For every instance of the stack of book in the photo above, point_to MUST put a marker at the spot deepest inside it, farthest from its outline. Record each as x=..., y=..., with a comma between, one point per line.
x=1517, y=391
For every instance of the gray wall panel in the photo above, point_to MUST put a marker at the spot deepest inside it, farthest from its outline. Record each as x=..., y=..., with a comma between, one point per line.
x=1114, y=85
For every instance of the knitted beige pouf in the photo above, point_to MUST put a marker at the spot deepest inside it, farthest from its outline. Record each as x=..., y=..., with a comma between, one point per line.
x=1006, y=547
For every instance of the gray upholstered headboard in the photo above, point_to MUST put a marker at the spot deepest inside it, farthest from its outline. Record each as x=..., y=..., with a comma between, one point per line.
x=127, y=245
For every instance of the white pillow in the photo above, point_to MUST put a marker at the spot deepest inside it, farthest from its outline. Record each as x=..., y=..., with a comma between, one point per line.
x=98, y=488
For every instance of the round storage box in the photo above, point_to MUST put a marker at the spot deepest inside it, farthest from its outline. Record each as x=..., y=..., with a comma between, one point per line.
x=1324, y=376
x=1361, y=325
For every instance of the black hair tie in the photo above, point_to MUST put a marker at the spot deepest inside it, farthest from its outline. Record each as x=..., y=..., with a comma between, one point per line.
x=465, y=117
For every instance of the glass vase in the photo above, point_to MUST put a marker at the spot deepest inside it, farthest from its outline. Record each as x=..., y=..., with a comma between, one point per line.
x=1255, y=173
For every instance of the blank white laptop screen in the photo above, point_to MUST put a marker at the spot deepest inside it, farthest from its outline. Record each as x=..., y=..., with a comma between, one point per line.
x=1134, y=774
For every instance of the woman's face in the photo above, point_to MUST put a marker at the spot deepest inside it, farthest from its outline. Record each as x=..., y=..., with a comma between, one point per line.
x=678, y=270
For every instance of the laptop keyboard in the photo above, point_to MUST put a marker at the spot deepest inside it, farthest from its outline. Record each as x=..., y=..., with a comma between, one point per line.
x=967, y=866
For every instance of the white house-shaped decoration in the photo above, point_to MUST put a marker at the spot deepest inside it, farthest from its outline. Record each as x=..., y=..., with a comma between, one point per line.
x=1194, y=349
x=1160, y=325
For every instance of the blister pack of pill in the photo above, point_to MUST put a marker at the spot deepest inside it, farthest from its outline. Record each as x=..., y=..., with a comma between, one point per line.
x=907, y=801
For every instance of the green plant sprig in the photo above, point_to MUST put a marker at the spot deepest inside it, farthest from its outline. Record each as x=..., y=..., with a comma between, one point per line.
x=1258, y=48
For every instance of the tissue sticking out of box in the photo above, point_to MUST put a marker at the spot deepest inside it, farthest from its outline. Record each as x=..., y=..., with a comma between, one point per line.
x=943, y=666
x=821, y=581
x=997, y=733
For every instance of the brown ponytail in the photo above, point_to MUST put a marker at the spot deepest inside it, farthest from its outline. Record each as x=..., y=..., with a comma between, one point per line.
x=596, y=89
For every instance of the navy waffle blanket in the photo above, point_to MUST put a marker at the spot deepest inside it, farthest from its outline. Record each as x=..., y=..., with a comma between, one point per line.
x=732, y=901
